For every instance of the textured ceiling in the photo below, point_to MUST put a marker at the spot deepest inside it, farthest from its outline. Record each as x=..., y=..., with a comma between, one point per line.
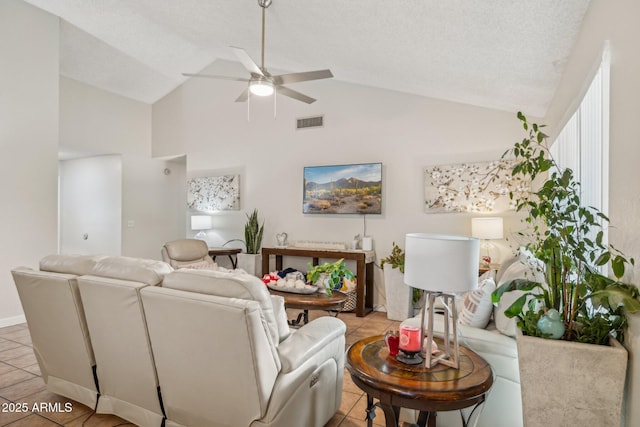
x=501, y=54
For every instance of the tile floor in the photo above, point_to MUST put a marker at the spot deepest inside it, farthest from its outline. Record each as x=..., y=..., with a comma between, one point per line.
x=20, y=382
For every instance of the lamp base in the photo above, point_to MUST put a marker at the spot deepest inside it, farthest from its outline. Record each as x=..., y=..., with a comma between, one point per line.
x=201, y=235
x=447, y=356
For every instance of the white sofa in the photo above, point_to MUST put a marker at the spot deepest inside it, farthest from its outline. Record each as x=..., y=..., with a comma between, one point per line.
x=496, y=344
x=152, y=345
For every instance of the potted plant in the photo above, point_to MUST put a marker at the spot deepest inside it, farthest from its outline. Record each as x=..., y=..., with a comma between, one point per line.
x=251, y=261
x=329, y=275
x=577, y=303
x=398, y=295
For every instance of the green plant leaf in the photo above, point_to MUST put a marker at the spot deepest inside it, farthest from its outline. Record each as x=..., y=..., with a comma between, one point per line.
x=617, y=264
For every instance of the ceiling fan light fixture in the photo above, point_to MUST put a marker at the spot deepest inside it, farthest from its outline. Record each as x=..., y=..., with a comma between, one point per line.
x=261, y=88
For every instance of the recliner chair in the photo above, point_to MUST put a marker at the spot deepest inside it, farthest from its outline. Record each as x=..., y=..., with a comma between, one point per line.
x=182, y=252
x=55, y=315
x=225, y=356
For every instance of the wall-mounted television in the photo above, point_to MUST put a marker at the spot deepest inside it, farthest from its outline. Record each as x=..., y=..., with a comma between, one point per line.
x=343, y=189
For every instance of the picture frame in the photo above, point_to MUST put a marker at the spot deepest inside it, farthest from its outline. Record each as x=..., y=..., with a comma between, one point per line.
x=343, y=189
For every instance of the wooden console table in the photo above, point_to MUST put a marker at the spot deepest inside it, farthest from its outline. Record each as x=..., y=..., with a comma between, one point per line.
x=364, y=269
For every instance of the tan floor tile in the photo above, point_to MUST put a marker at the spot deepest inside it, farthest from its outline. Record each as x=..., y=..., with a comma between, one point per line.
x=98, y=420
x=356, y=336
x=13, y=377
x=353, y=422
x=17, y=335
x=348, y=385
x=335, y=421
x=11, y=329
x=62, y=411
x=7, y=345
x=15, y=352
x=23, y=389
x=359, y=411
x=23, y=361
x=5, y=368
x=33, y=421
x=347, y=402
x=11, y=413
x=34, y=369
x=24, y=340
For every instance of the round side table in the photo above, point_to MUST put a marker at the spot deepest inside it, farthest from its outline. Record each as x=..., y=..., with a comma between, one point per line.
x=315, y=301
x=397, y=385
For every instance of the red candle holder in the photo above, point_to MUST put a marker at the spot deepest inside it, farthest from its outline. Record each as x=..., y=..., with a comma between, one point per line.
x=410, y=345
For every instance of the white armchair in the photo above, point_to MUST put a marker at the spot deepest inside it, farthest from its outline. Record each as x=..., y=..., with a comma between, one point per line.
x=184, y=252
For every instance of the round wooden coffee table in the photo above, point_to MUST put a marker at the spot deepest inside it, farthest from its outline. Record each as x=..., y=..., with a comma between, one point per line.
x=397, y=385
x=314, y=301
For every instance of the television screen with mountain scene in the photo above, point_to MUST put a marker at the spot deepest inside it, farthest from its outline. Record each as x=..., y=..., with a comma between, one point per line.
x=343, y=189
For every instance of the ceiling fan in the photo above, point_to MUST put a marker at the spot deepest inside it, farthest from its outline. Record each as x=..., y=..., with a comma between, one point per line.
x=262, y=83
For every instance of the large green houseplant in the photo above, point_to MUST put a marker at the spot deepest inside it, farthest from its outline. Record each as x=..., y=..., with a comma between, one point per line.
x=567, y=238
x=572, y=380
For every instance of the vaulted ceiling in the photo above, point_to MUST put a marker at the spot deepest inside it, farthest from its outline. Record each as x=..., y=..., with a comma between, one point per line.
x=501, y=54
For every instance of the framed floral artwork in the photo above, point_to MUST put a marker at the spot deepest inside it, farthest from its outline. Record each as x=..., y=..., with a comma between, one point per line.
x=214, y=193
x=472, y=187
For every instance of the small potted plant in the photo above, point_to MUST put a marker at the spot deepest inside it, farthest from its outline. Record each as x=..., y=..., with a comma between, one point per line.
x=251, y=262
x=329, y=275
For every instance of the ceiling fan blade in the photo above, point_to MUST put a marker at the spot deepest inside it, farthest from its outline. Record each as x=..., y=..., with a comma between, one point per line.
x=211, y=76
x=246, y=60
x=243, y=96
x=294, y=94
x=302, y=77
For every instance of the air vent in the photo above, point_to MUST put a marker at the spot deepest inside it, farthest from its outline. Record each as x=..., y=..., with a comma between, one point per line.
x=310, y=122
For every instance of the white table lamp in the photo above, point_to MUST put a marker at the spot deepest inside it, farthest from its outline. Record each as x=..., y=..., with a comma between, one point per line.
x=487, y=228
x=441, y=265
x=201, y=222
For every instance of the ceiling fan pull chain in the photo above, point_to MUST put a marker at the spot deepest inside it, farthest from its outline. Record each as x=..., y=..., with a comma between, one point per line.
x=262, y=64
x=275, y=101
x=249, y=106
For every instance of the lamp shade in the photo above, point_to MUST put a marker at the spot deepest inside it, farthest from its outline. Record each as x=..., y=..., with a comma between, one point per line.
x=201, y=222
x=441, y=263
x=486, y=228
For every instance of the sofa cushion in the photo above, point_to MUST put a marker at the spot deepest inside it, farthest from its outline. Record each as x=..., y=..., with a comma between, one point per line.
x=147, y=271
x=229, y=284
x=476, y=306
x=70, y=264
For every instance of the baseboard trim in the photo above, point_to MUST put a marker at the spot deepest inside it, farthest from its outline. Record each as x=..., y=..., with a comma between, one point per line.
x=10, y=321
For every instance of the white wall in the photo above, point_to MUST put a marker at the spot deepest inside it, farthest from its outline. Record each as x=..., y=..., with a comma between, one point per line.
x=91, y=205
x=92, y=120
x=362, y=124
x=615, y=21
x=29, y=40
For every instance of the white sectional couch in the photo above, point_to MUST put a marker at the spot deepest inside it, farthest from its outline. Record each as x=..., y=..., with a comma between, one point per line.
x=152, y=345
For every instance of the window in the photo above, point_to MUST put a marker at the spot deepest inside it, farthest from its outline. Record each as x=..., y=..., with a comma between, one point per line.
x=583, y=144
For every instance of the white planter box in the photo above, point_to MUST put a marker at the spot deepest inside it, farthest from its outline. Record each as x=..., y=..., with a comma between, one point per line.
x=398, y=295
x=568, y=384
x=251, y=263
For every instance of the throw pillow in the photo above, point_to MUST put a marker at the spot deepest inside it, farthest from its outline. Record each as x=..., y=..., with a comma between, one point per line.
x=524, y=266
x=476, y=306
